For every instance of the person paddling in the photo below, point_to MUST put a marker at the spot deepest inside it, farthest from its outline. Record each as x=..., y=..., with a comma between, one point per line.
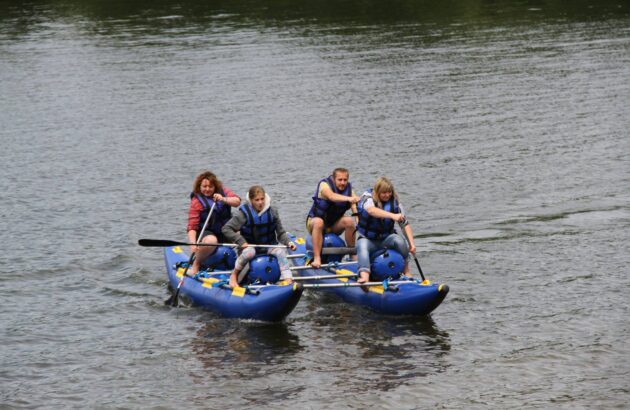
x=379, y=210
x=207, y=192
x=257, y=222
x=332, y=198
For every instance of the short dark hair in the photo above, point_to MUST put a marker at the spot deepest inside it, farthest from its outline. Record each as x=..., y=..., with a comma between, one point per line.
x=342, y=170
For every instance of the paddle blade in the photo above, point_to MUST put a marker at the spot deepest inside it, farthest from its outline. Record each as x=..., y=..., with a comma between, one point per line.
x=170, y=301
x=160, y=243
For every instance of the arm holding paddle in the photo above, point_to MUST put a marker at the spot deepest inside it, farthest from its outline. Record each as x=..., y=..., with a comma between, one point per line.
x=412, y=247
x=229, y=199
x=329, y=195
x=196, y=208
x=380, y=213
x=408, y=234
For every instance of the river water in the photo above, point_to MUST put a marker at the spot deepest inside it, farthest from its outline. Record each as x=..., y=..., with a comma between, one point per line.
x=503, y=125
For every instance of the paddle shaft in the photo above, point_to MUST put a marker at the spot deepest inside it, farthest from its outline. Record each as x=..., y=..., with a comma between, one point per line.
x=326, y=251
x=340, y=275
x=414, y=255
x=419, y=268
x=174, y=300
x=297, y=255
x=320, y=277
x=329, y=265
x=341, y=285
x=163, y=243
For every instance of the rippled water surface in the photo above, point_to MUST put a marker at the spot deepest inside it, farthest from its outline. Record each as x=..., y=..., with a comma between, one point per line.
x=504, y=126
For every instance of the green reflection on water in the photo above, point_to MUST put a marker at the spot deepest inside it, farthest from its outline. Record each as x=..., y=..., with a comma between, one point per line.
x=297, y=12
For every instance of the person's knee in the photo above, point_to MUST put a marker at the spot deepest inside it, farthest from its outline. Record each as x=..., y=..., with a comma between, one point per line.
x=317, y=223
x=403, y=248
x=363, y=245
x=345, y=222
x=247, y=255
x=208, y=250
x=402, y=244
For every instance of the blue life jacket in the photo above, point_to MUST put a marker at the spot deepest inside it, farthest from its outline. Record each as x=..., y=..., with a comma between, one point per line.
x=329, y=211
x=221, y=214
x=376, y=228
x=258, y=229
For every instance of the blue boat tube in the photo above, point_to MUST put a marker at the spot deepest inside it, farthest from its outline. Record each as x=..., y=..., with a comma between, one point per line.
x=407, y=297
x=269, y=303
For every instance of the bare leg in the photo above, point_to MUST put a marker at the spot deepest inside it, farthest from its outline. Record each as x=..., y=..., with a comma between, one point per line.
x=317, y=235
x=246, y=255
x=234, y=278
x=204, y=252
x=364, y=276
x=346, y=225
x=406, y=269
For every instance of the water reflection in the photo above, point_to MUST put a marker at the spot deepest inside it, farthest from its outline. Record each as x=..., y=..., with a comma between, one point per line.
x=383, y=351
x=227, y=343
x=408, y=348
x=167, y=15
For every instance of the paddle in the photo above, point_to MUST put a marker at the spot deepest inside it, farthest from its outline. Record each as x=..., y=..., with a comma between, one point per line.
x=341, y=250
x=173, y=300
x=343, y=284
x=414, y=255
x=326, y=251
x=162, y=243
x=337, y=276
x=329, y=265
x=419, y=268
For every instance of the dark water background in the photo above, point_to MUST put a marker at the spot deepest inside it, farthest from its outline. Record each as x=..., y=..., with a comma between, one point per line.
x=503, y=124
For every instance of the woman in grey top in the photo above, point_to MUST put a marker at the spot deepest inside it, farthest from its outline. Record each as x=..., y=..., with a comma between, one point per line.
x=258, y=223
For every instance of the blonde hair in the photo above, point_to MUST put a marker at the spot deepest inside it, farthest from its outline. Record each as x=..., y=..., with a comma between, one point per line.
x=255, y=190
x=218, y=186
x=382, y=185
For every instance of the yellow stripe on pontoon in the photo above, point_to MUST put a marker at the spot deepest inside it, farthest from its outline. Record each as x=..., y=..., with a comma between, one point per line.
x=343, y=272
x=377, y=289
x=238, y=291
x=207, y=282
